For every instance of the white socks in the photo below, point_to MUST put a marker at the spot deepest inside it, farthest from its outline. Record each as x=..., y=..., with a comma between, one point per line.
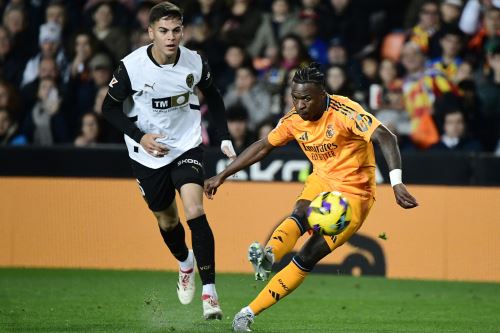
x=209, y=289
x=187, y=264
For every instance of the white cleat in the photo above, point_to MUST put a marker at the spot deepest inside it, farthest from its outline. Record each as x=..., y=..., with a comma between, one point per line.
x=242, y=321
x=262, y=260
x=186, y=284
x=211, y=308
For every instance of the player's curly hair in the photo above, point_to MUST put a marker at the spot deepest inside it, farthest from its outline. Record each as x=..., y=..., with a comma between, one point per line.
x=310, y=74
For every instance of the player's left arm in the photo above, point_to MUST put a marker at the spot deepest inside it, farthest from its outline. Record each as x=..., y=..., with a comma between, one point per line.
x=217, y=109
x=389, y=146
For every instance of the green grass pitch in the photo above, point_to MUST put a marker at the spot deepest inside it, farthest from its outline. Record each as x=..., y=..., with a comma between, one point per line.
x=38, y=300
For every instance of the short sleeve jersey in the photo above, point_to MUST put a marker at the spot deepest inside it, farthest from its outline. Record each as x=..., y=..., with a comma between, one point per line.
x=338, y=144
x=161, y=99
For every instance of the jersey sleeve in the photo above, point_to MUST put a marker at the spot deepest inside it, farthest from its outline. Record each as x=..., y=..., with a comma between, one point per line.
x=361, y=123
x=206, y=74
x=281, y=134
x=119, y=86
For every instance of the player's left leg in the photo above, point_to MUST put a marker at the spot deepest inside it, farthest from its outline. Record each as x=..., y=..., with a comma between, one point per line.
x=188, y=177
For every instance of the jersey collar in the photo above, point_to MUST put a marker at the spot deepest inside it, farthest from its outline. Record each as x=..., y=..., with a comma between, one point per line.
x=150, y=55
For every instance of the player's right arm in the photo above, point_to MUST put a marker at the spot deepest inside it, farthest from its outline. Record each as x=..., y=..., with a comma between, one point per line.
x=254, y=153
x=112, y=109
x=279, y=136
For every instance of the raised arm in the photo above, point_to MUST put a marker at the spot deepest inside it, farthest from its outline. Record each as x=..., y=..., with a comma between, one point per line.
x=389, y=146
x=256, y=152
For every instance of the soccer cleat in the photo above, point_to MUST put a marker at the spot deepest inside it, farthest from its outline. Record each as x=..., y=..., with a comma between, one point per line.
x=262, y=260
x=186, y=284
x=211, y=307
x=242, y=321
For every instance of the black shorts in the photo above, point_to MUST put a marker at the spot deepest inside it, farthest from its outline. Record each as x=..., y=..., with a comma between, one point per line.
x=158, y=185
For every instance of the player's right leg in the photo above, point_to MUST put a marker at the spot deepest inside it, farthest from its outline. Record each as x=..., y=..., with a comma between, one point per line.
x=159, y=193
x=285, y=236
x=284, y=282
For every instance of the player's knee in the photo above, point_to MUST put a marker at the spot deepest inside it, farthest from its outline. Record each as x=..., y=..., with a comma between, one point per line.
x=193, y=211
x=299, y=214
x=166, y=222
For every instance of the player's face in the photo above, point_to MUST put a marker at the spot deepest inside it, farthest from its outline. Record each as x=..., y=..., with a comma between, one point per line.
x=309, y=100
x=166, y=35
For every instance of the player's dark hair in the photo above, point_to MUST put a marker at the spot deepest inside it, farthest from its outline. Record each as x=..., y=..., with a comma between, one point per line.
x=310, y=74
x=164, y=9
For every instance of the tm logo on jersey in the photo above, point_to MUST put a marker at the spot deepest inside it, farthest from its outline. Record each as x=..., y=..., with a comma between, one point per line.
x=160, y=104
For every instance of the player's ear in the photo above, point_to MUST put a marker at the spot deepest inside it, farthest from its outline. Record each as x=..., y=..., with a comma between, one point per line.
x=150, y=32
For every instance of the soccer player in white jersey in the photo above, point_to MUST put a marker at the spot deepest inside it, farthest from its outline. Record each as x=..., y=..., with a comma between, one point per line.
x=152, y=100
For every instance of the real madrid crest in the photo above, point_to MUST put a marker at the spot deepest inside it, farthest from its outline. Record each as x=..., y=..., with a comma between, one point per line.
x=190, y=80
x=330, y=132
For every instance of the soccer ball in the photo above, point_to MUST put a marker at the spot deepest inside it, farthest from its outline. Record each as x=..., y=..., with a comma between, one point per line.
x=329, y=213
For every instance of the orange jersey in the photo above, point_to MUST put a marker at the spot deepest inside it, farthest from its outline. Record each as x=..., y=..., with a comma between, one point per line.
x=338, y=144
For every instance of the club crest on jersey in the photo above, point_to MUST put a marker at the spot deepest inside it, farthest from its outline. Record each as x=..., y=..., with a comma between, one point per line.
x=304, y=137
x=190, y=80
x=330, y=132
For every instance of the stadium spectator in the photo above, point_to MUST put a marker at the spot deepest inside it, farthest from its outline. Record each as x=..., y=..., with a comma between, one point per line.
x=90, y=130
x=337, y=53
x=14, y=20
x=234, y=58
x=81, y=88
x=113, y=38
x=274, y=26
x=55, y=12
x=250, y=93
x=264, y=128
x=11, y=62
x=242, y=23
x=453, y=137
x=389, y=94
x=451, y=40
x=489, y=92
x=450, y=12
x=8, y=128
x=213, y=12
x=50, y=47
x=45, y=124
x=421, y=87
x=423, y=33
x=293, y=52
x=337, y=82
x=9, y=100
x=487, y=31
x=237, y=123
x=202, y=40
x=308, y=31
x=47, y=69
x=464, y=72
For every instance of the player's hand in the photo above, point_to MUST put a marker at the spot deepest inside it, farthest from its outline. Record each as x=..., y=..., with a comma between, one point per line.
x=211, y=186
x=227, y=148
x=403, y=197
x=149, y=143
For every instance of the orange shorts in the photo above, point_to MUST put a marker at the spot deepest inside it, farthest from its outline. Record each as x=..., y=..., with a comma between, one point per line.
x=360, y=207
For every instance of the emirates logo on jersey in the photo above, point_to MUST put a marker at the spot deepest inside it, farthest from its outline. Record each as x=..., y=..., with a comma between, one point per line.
x=330, y=132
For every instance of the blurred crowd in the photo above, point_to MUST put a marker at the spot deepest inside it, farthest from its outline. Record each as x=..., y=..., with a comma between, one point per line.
x=429, y=70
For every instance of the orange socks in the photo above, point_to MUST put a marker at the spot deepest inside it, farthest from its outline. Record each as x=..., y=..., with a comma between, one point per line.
x=284, y=238
x=283, y=283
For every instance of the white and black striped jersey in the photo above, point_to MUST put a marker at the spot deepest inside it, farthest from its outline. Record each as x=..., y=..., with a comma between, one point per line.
x=161, y=99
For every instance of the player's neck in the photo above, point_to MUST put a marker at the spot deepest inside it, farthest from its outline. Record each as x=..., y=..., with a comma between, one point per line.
x=162, y=58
